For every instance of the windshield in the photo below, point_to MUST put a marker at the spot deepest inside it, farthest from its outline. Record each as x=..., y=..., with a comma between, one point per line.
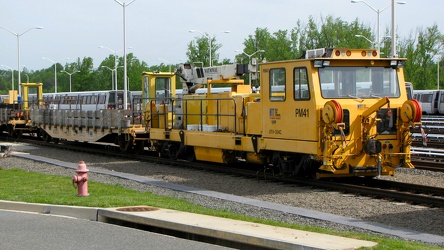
x=358, y=82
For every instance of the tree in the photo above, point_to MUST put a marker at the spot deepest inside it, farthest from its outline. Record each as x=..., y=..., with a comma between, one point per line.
x=333, y=32
x=135, y=70
x=284, y=45
x=258, y=41
x=420, y=49
x=199, y=50
x=86, y=76
x=6, y=81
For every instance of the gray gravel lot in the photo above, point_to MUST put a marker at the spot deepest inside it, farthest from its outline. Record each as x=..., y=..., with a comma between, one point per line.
x=419, y=218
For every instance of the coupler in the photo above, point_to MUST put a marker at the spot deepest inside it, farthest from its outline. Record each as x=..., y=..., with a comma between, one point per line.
x=80, y=181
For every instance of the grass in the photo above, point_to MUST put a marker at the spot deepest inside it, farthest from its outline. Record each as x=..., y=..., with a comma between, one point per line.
x=18, y=185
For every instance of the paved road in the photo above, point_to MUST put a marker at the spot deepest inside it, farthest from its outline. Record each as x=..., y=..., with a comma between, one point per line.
x=19, y=230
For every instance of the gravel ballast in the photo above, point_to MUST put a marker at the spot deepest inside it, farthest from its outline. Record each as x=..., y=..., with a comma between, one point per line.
x=396, y=214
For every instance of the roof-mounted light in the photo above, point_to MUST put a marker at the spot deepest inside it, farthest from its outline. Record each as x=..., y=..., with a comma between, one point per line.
x=318, y=63
x=321, y=63
x=395, y=64
x=337, y=53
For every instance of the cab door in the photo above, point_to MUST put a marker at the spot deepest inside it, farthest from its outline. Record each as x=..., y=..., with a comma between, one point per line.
x=289, y=106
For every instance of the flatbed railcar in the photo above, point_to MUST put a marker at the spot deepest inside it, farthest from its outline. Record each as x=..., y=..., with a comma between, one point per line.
x=331, y=113
x=91, y=116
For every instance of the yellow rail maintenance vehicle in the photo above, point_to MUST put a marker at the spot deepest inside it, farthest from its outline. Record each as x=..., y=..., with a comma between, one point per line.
x=15, y=113
x=332, y=113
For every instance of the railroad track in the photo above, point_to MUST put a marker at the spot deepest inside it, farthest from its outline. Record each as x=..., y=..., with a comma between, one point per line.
x=416, y=194
x=428, y=164
x=429, y=154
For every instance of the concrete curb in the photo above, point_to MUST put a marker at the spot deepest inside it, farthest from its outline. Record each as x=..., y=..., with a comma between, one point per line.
x=86, y=213
x=252, y=234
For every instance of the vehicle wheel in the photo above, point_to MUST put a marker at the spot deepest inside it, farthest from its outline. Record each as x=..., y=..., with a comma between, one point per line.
x=46, y=137
x=139, y=147
x=173, y=151
x=18, y=134
x=229, y=157
x=190, y=156
x=10, y=130
x=125, y=146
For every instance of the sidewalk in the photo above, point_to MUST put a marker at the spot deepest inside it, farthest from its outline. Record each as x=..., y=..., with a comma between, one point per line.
x=229, y=230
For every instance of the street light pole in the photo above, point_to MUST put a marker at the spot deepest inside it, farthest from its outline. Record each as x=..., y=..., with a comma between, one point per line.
x=55, y=71
x=125, y=81
x=249, y=60
x=12, y=75
x=18, y=52
x=438, y=59
x=437, y=73
x=378, y=12
x=368, y=40
x=70, y=75
x=394, y=53
x=112, y=76
x=114, y=72
x=373, y=42
x=210, y=41
x=437, y=70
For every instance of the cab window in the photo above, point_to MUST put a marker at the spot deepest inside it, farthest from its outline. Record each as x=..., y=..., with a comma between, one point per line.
x=277, y=84
x=301, y=91
x=163, y=89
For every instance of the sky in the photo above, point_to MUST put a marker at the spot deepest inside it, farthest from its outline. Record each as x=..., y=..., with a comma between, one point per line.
x=160, y=29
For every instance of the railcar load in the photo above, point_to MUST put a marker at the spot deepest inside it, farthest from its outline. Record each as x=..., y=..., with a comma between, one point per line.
x=93, y=116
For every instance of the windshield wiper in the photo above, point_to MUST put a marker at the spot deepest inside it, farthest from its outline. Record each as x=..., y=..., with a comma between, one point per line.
x=358, y=99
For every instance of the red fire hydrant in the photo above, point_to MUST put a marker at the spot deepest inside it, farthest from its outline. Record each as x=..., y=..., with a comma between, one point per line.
x=81, y=179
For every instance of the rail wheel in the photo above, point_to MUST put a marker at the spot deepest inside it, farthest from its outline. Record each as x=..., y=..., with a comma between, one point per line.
x=15, y=133
x=18, y=134
x=173, y=150
x=139, y=147
x=229, y=156
x=126, y=145
x=10, y=130
x=281, y=162
x=311, y=167
x=300, y=168
x=190, y=156
x=46, y=137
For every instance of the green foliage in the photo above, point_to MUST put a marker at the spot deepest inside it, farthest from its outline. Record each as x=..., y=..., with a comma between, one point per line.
x=420, y=49
x=199, y=50
x=135, y=69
